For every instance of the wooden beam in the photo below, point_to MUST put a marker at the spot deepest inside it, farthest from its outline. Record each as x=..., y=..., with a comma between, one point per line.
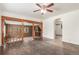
x=2, y=30
x=22, y=32
x=6, y=34
x=20, y=20
x=33, y=31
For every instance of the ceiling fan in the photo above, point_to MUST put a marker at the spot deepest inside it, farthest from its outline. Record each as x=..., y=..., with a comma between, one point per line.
x=44, y=8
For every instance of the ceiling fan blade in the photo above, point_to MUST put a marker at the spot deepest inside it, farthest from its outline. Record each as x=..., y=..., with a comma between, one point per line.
x=36, y=10
x=38, y=5
x=50, y=5
x=49, y=10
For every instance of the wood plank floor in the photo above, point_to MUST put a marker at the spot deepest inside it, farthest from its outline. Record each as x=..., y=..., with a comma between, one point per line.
x=40, y=47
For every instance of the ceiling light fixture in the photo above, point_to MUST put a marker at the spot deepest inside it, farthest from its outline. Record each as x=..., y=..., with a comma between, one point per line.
x=44, y=8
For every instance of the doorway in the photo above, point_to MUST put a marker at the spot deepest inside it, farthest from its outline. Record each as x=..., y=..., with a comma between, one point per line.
x=58, y=28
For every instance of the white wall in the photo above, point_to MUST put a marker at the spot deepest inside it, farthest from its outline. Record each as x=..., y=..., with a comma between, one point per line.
x=70, y=27
x=48, y=28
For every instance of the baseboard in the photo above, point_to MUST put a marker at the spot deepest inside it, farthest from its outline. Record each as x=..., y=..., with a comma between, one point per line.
x=48, y=37
x=63, y=41
x=70, y=42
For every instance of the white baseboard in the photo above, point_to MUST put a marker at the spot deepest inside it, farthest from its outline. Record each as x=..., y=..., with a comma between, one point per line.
x=70, y=42
x=48, y=37
x=63, y=40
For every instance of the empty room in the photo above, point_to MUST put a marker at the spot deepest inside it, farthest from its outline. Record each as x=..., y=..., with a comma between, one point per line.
x=39, y=28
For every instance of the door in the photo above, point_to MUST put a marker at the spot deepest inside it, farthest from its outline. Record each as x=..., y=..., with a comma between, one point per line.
x=58, y=28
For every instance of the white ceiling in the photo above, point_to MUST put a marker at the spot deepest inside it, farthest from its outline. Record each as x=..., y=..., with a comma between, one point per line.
x=27, y=9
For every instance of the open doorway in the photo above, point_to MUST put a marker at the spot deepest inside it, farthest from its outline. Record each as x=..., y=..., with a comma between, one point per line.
x=58, y=28
x=58, y=36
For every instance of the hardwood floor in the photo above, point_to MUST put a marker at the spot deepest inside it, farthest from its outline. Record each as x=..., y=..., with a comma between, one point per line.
x=40, y=47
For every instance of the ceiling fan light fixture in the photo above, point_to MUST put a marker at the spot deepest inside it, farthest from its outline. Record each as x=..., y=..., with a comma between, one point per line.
x=44, y=8
x=43, y=11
